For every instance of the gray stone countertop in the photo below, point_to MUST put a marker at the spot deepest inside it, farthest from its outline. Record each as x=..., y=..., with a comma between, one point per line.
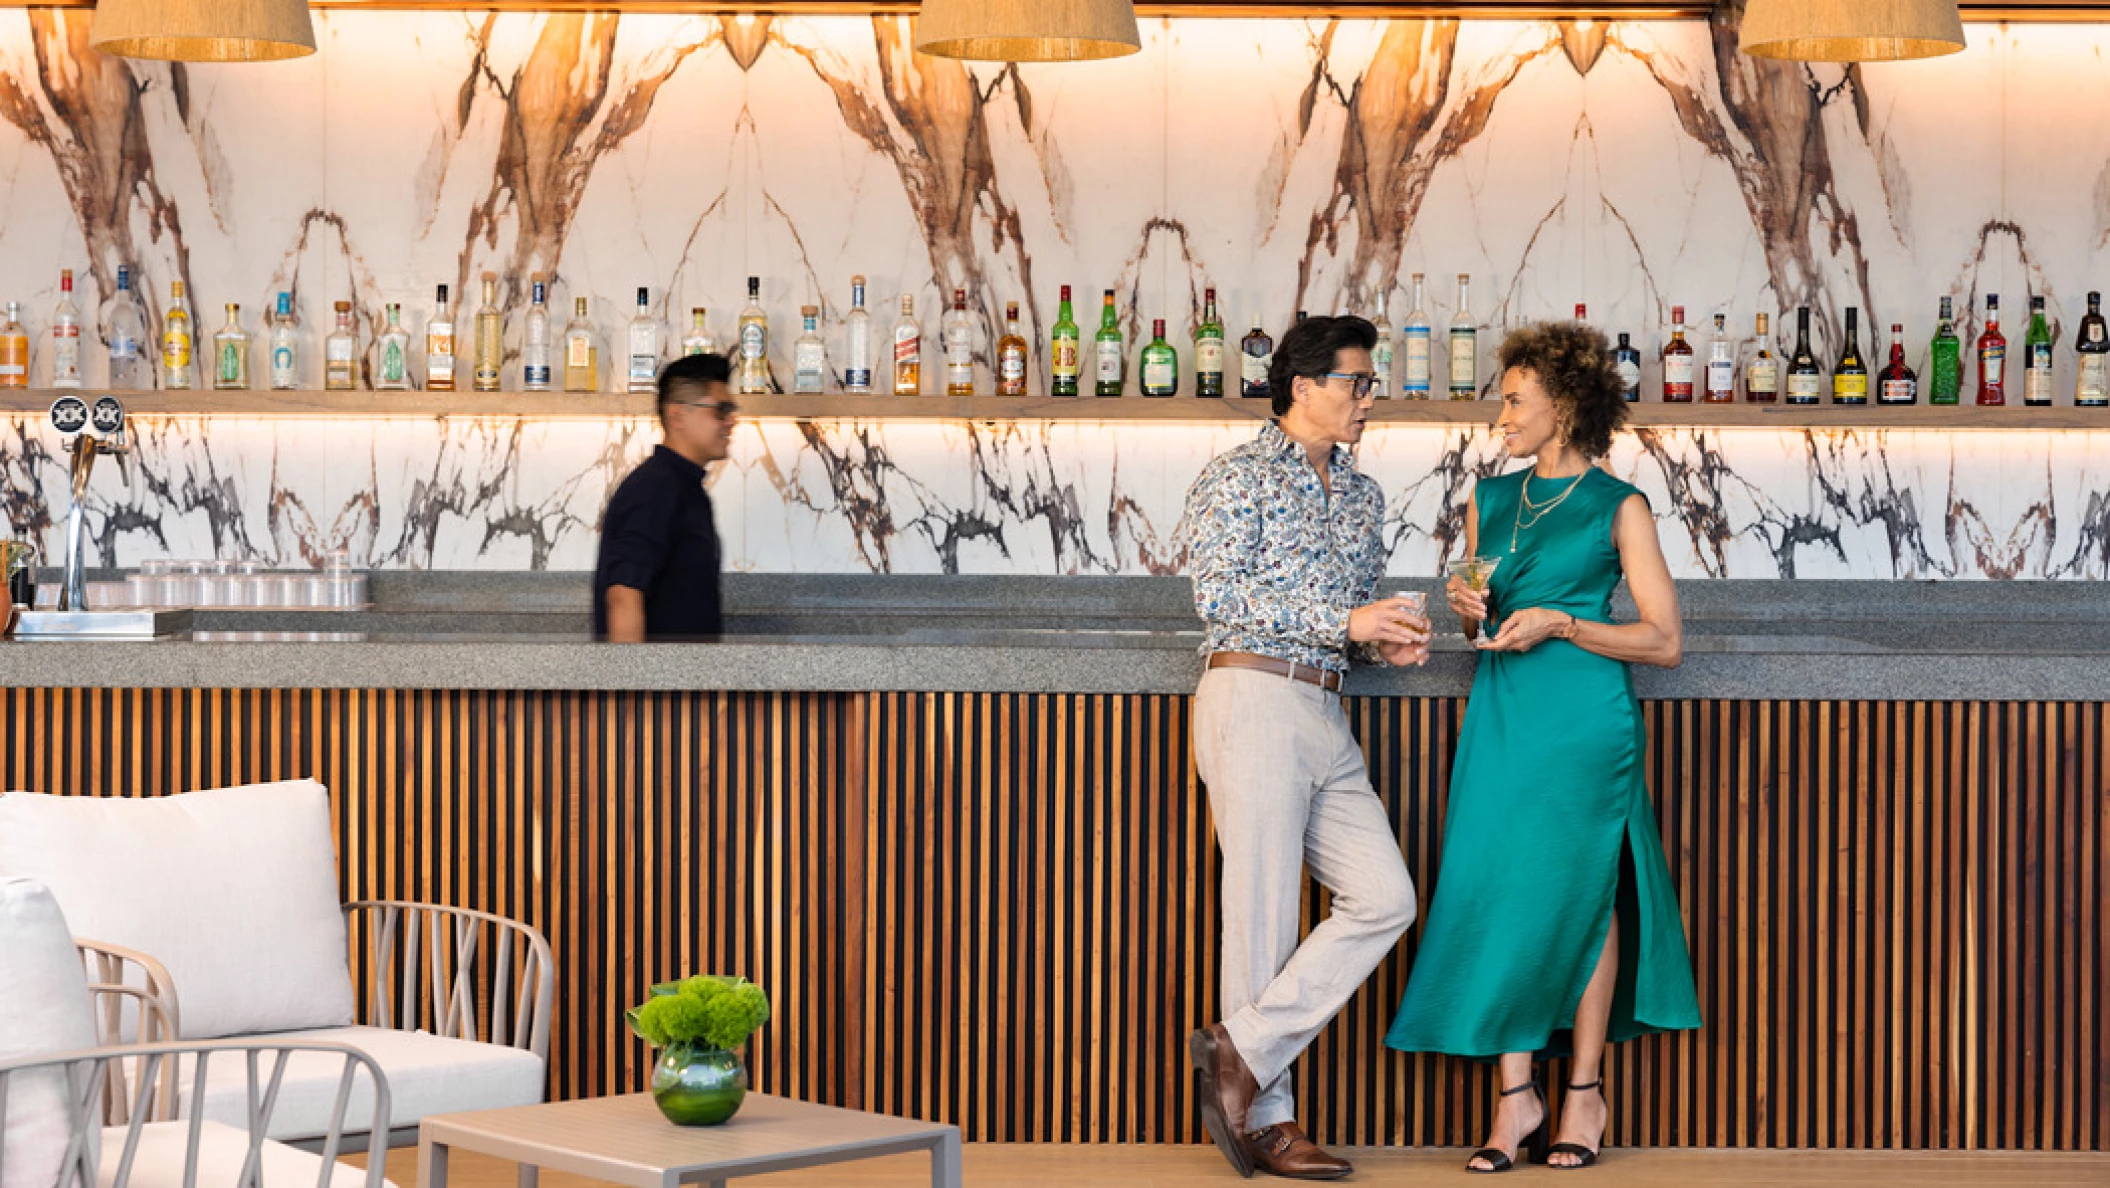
x=1795, y=640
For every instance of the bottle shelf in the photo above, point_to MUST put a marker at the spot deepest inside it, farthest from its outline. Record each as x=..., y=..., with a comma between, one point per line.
x=1232, y=410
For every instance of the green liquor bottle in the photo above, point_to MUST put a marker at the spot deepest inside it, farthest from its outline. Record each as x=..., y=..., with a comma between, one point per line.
x=1106, y=345
x=1945, y=360
x=1062, y=350
x=1160, y=364
x=2036, y=357
x=1209, y=350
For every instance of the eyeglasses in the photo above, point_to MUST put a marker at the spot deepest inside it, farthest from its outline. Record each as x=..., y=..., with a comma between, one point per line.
x=724, y=408
x=1362, y=381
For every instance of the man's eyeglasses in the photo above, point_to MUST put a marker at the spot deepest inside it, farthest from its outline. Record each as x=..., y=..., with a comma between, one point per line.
x=1360, y=381
x=724, y=408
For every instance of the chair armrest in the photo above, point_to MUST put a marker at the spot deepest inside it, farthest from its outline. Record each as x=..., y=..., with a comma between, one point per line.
x=86, y=1079
x=113, y=966
x=457, y=972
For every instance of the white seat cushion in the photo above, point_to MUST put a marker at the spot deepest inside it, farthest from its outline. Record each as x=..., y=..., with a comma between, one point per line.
x=44, y=1009
x=158, y=1160
x=426, y=1075
x=233, y=889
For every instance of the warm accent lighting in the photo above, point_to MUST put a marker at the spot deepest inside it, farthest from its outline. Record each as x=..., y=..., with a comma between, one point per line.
x=1027, y=30
x=203, y=30
x=1850, y=30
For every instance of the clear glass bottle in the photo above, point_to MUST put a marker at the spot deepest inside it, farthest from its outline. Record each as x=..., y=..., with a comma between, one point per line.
x=1721, y=365
x=439, y=346
x=1158, y=367
x=490, y=338
x=582, y=352
x=230, y=353
x=1677, y=361
x=958, y=330
x=1062, y=349
x=1945, y=359
x=1112, y=365
x=1626, y=359
x=1850, y=377
x=1209, y=350
x=14, y=349
x=857, y=341
x=1465, y=344
x=754, y=342
x=178, y=364
x=1256, y=353
x=340, y=353
x=125, y=329
x=809, y=355
x=698, y=340
x=1898, y=384
x=2091, y=352
x=1417, y=342
x=392, y=352
x=285, y=346
x=643, y=370
x=1381, y=351
x=1992, y=357
x=908, y=351
x=66, y=336
x=1762, y=366
x=1011, y=352
x=534, y=338
x=2036, y=353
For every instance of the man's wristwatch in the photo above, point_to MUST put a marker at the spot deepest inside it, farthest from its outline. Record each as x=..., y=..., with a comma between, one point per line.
x=1568, y=631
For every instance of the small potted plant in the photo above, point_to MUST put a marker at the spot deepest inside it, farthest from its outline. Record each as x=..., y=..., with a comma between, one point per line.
x=699, y=1025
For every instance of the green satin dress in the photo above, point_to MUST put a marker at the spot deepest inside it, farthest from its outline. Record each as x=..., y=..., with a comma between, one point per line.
x=1549, y=829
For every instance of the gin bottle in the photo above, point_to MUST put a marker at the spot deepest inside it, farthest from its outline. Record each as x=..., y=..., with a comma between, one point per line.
x=644, y=346
x=1721, y=365
x=534, y=341
x=857, y=341
x=1415, y=331
x=1256, y=353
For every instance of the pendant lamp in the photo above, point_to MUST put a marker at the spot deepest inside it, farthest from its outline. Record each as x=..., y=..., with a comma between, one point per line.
x=1027, y=30
x=1850, y=30
x=203, y=30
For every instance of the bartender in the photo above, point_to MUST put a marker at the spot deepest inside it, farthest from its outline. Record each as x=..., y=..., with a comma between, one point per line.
x=657, y=575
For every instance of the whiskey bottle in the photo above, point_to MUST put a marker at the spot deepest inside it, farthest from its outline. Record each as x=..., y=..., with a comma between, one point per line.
x=908, y=351
x=1627, y=361
x=1256, y=353
x=391, y=351
x=1850, y=377
x=66, y=336
x=2091, y=389
x=957, y=327
x=1465, y=344
x=1945, y=360
x=1417, y=339
x=1677, y=361
x=176, y=341
x=857, y=341
x=1111, y=369
x=809, y=355
x=490, y=337
x=439, y=346
x=1159, y=365
x=1209, y=350
x=1762, y=366
x=2036, y=353
x=1897, y=384
x=1062, y=349
x=582, y=351
x=1805, y=378
x=1992, y=357
x=1721, y=364
x=1011, y=361
x=534, y=341
x=340, y=353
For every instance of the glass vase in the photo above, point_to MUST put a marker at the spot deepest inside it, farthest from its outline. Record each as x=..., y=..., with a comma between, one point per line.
x=698, y=1086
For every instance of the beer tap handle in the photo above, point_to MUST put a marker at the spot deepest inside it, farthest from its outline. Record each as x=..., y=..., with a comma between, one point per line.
x=120, y=446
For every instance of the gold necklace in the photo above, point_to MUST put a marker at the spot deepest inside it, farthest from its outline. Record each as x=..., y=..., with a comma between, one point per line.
x=1539, y=511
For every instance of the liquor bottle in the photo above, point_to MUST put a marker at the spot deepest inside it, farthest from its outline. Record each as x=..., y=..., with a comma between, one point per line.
x=2092, y=352
x=1301, y=315
x=1582, y=312
x=534, y=340
x=490, y=338
x=1721, y=365
x=66, y=336
x=14, y=349
x=1627, y=360
x=1805, y=378
x=957, y=327
x=340, y=353
x=1677, y=361
x=439, y=346
x=643, y=338
x=392, y=353
x=1762, y=366
x=1111, y=367
x=1850, y=377
x=809, y=355
x=1011, y=358
x=285, y=346
x=176, y=341
x=2036, y=352
x=1256, y=353
x=754, y=342
x=1465, y=345
x=582, y=351
x=908, y=351
x=1381, y=351
x=230, y=353
x=1062, y=349
x=1897, y=384
x=126, y=331
x=1417, y=339
x=698, y=340
x=1209, y=350
x=1992, y=357
x=857, y=341
x=1159, y=364
x=1945, y=360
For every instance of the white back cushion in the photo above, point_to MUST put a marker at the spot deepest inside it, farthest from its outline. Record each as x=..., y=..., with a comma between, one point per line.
x=44, y=1008
x=233, y=889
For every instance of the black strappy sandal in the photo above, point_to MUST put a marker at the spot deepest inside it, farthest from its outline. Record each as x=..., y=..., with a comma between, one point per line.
x=1534, y=1144
x=1584, y=1156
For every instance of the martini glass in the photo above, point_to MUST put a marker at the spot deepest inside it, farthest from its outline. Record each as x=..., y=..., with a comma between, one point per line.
x=1475, y=572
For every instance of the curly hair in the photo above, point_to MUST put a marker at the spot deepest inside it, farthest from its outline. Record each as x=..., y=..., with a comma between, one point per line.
x=1574, y=364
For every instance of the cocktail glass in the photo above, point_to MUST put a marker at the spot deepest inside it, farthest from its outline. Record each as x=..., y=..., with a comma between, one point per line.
x=1475, y=572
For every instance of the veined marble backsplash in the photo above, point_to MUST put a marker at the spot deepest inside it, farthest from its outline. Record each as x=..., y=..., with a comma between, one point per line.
x=1288, y=163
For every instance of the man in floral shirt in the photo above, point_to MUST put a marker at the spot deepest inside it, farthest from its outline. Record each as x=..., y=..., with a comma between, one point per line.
x=1286, y=548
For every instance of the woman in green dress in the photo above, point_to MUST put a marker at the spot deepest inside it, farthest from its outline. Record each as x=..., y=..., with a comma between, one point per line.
x=1552, y=923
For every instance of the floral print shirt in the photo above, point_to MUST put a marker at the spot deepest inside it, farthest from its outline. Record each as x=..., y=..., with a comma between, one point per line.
x=1277, y=560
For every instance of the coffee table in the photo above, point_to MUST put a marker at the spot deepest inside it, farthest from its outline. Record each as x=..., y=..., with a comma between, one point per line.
x=626, y=1140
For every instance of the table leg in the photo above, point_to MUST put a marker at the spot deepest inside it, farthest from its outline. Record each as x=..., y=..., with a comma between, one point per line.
x=945, y=1161
x=432, y=1163
x=530, y=1175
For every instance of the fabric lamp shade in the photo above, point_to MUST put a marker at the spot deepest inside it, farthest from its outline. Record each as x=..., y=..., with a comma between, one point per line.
x=203, y=30
x=1850, y=30
x=1027, y=30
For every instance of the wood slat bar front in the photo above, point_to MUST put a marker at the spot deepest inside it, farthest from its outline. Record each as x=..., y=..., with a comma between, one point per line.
x=998, y=909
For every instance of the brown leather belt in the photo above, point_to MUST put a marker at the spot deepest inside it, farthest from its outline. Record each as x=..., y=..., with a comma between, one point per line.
x=1324, y=678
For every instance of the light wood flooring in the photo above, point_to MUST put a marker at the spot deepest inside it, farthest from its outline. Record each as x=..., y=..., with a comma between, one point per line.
x=992, y=1165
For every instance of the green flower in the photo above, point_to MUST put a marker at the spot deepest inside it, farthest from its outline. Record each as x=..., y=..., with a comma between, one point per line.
x=733, y=1015
x=720, y=1012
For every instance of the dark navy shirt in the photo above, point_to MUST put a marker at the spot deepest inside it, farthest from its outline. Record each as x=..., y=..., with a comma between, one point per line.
x=659, y=537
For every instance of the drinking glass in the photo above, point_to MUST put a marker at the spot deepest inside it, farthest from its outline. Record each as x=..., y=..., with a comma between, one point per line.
x=1475, y=573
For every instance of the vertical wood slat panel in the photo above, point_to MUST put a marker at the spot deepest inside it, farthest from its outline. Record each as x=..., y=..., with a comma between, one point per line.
x=1000, y=909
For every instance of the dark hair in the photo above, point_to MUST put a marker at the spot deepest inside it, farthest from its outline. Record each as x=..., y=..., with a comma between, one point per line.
x=1574, y=364
x=1309, y=349
x=691, y=371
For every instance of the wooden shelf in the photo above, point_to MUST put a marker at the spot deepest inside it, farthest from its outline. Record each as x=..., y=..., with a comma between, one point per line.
x=569, y=405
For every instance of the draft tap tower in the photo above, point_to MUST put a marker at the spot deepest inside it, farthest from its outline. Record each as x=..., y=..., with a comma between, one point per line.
x=87, y=431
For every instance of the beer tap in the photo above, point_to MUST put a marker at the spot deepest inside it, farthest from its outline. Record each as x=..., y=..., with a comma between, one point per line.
x=88, y=432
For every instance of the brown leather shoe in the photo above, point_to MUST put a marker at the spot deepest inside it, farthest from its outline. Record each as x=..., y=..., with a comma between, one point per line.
x=1282, y=1150
x=1224, y=1087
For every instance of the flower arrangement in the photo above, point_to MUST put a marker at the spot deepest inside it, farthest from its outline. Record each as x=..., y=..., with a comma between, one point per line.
x=708, y=1010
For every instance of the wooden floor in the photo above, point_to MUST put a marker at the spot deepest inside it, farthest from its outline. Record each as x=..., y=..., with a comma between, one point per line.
x=993, y=1165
